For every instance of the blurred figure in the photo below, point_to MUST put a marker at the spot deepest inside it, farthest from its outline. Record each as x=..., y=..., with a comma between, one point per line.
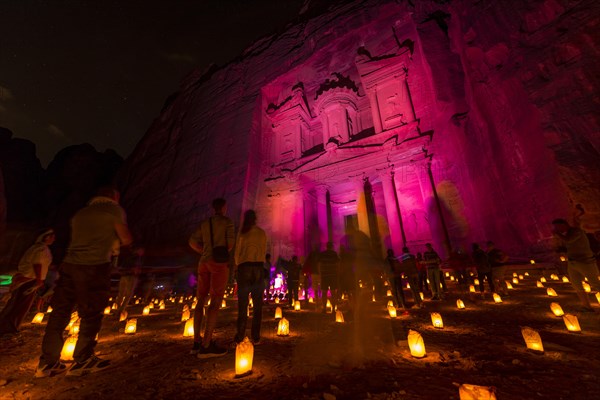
x=294, y=268
x=484, y=270
x=497, y=258
x=131, y=268
x=267, y=276
x=459, y=263
x=408, y=266
x=432, y=261
x=28, y=282
x=397, y=278
x=329, y=264
x=84, y=282
x=250, y=253
x=580, y=259
x=422, y=267
x=214, y=240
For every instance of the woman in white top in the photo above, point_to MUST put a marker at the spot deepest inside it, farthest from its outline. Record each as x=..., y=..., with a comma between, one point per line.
x=250, y=251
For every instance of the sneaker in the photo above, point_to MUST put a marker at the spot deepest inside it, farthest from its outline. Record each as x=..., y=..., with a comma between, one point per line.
x=195, y=349
x=213, y=350
x=92, y=364
x=47, y=370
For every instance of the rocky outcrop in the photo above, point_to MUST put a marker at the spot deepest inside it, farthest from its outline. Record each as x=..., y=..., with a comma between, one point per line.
x=508, y=91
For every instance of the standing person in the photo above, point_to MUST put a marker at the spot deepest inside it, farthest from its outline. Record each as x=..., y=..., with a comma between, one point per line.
x=250, y=253
x=214, y=240
x=397, y=278
x=84, y=282
x=408, y=265
x=267, y=275
x=497, y=258
x=32, y=271
x=459, y=263
x=422, y=267
x=346, y=271
x=581, y=262
x=131, y=268
x=329, y=265
x=294, y=268
x=432, y=262
x=484, y=270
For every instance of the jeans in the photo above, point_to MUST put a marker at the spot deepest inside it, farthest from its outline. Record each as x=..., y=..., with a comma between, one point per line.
x=423, y=287
x=88, y=288
x=413, y=281
x=212, y=278
x=488, y=275
x=433, y=274
x=293, y=287
x=399, y=292
x=498, y=278
x=250, y=280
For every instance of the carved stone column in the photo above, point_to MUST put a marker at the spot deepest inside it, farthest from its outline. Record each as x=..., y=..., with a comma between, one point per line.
x=372, y=95
x=361, y=207
x=322, y=215
x=392, y=208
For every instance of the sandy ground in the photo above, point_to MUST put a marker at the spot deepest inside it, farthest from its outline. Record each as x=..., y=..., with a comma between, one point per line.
x=360, y=359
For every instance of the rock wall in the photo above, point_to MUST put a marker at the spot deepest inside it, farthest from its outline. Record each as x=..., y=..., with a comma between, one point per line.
x=508, y=88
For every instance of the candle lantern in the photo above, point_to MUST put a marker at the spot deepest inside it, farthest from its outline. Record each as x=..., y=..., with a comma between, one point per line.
x=392, y=311
x=339, y=316
x=185, y=315
x=389, y=293
x=563, y=258
x=123, y=316
x=447, y=274
x=514, y=274
x=586, y=287
x=497, y=298
x=283, y=328
x=223, y=304
x=131, y=326
x=422, y=296
x=472, y=288
x=194, y=305
x=565, y=279
x=162, y=306
x=532, y=261
x=151, y=305
x=115, y=306
x=407, y=285
x=161, y=303
x=598, y=297
x=390, y=303
x=188, y=330
x=515, y=281
x=297, y=306
x=49, y=310
x=107, y=310
x=244, y=354
x=526, y=273
x=508, y=285
x=460, y=304
x=311, y=299
x=278, y=313
x=556, y=309
x=38, y=318
x=250, y=303
x=539, y=284
x=146, y=311
x=521, y=277
x=474, y=392
x=137, y=301
x=373, y=298
x=328, y=305
x=551, y=292
x=451, y=278
x=572, y=323
x=554, y=277
x=532, y=339
x=416, y=344
x=436, y=320
x=476, y=282
x=68, y=348
x=74, y=328
x=543, y=279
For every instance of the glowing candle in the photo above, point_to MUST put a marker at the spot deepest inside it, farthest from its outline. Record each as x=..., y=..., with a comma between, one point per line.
x=188, y=330
x=162, y=306
x=508, y=285
x=223, y=304
x=572, y=323
x=38, y=318
x=514, y=274
x=278, y=313
x=373, y=298
x=565, y=279
x=328, y=305
x=556, y=309
x=543, y=279
x=551, y=292
x=497, y=298
x=472, y=288
x=185, y=315
x=146, y=311
x=521, y=277
x=389, y=293
x=283, y=328
x=515, y=281
x=532, y=261
x=390, y=303
x=115, y=306
x=598, y=297
x=151, y=305
x=586, y=287
x=123, y=316
x=107, y=310
x=476, y=282
x=392, y=311
x=416, y=344
x=339, y=317
x=297, y=305
x=460, y=304
x=244, y=354
x=68, y=348
x=49, y=310
x=473, y=392
x=131, y=326
x=539, y=284
x=563, y=258
x=436, y=320
x=422, y=296
x=74, y=328
x=554, y=277
x=532, y=339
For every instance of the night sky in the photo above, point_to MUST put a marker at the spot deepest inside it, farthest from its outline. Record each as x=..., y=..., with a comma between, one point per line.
x=99, y=71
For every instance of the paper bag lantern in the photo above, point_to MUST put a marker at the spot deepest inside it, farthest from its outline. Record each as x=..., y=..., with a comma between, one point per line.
x=297, y=306
x=472, y=288
x=373, y=299
x=436, y=320
x=390, y=303
x=339, y=316
x=131, y=326
x=539, y=284
x=556, y=309
x=554, y=277
x=474, y=392
x=586, y=287
x=460, y=304
x=389, y=293
x=416, y=344
x=422, y=296
x=188, y=330
x=38, y=318
x=476, y=282
x=244, y=354
x=563, y=258
x=497, y=298
x=146, y=311
x=123, y=316
x=521, y=277
x=451, y=278
x=565, y=279
x=162, y=306
x=74, y=328
x=49, y=310
x=278, y=313
x=223, y=304
x=551, y=292
x=514, y=274
x=185, y=315
x=328, y=305
x=311, y=299
x=508, y=285
x=598, y=297
x=194, y=305
x=407, y=285
x=526, y=273
x=137, y=301
x=447, y=274
x=107, y=311
x=532, y=339
x=283, y=328
x=66, y=354
x=543, y=279
x=532, y=261
x=392, y=311
x=572, y=323
x=151, y=305
x=115, y=306
x=515, y=281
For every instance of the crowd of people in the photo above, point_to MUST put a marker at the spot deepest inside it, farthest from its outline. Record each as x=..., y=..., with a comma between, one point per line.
x=328, y=274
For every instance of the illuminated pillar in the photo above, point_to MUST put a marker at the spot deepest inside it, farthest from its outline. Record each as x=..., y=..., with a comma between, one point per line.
x=392, y=209
x=407, y=105
x=447, y=245
x=372, y=95
x=322, y=215
x=361, y=207
x=299, y=224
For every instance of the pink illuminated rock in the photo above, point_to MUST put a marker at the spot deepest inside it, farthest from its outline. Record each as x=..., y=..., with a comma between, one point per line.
x=334, y=121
